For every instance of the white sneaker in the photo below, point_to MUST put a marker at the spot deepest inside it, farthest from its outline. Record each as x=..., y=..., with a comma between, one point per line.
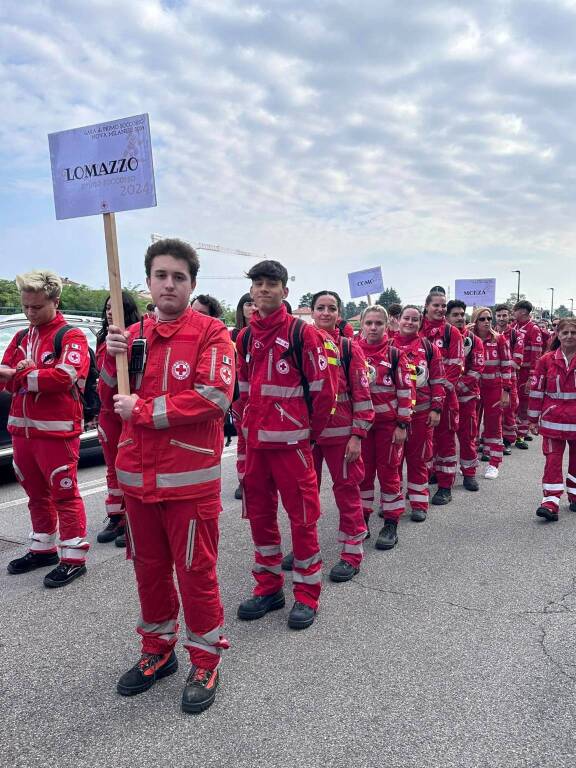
x=491, y=472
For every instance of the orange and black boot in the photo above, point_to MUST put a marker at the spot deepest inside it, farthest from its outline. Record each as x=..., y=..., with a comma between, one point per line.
x=200, y=689
x=143, y=675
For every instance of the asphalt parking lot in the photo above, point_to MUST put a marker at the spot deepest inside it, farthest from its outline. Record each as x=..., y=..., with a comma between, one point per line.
x=455, y=649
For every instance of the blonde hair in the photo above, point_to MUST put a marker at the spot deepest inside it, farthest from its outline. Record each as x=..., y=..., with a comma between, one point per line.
x=475, y=314
x=378, y=308
x=40, y=280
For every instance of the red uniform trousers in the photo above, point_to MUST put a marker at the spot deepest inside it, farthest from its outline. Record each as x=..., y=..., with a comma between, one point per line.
x=47, y=469
x=182, y=535
x=509, y=427
x=490, y=410
x=240, y=455
x=444, y=446
x=109, y=429
x=290, y=472
x=418, y=454
x=523, y=398
x=383, y=458
x=553, y=481
x=467, y=437
x=346, y=477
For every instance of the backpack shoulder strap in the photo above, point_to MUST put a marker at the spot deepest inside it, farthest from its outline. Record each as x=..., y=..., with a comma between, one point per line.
x=428, y=349
x=447, y=335
x=245, y=341
x=296, y=339
x=346, y=356
x=20, y=336
x=394, y=359
x=58, y=340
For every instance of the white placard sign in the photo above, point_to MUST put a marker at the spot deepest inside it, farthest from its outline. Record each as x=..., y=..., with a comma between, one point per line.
x=365, y=282
x=102, y=168
x=477, y=293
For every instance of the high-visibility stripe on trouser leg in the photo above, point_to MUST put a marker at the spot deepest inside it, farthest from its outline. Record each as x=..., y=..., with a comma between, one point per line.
x=294, y=476
x=261, y=509
x=467, y=435
x=109, y=431
x=209, y=646
x=367, y=484
x=43, y=542
x=345, y=484
x=445, y=451
x=552, y=480
x=418, y=453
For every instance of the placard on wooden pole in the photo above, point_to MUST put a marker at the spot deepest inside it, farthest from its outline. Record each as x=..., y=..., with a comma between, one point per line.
x=116, y=297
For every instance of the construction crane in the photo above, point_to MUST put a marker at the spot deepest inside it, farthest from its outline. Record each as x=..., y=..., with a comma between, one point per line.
x=217, y=248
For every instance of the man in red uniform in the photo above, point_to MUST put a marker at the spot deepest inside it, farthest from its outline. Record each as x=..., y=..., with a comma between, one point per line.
x=515, y=340
x=45, y=368
x=277, y=388
x=468, y=391
x=168, y=466
x=532, y=350
x=449, y=340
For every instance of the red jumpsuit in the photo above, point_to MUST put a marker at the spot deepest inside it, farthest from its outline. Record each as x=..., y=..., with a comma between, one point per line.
x=532, y=351
x=168, y=465
x=278, y=426
x=496, y=378
x=445, y=433
x=430, y=394
x=353, y=415
x=393, y=395
x=516, y=344
x=109, y=430
x=468, y=390
x=45, y=422
x=553, y=406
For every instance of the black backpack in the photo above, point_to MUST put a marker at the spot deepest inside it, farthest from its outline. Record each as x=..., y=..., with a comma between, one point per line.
x=90, y=398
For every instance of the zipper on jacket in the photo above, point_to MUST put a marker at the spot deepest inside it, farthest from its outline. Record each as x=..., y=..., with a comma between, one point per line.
x=165, y=376
x=270, y=361
x=302, y=457
x=550, y=407
x=196, y=448
x=285, y=413
x=129, y=441
x=26, y=431
x=213, y=363
x=190, y=544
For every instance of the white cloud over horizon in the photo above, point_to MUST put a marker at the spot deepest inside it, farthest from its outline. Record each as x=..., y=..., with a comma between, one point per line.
x=433, y=138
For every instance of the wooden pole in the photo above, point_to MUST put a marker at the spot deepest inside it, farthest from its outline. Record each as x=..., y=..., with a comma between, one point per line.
x=369, y=299
x=116, y=297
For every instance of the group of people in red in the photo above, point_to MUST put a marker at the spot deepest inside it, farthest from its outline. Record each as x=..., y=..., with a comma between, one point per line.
x=406, y=390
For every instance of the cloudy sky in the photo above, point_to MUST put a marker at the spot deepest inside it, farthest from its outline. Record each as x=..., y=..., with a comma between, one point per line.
x=435, y=139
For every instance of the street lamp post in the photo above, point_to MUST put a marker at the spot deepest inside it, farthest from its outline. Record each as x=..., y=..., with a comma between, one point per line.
x=518, y=291
x=551, y=303
x=572, y=307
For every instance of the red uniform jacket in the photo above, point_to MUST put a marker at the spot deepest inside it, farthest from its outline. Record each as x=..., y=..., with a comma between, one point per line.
x=497, y=362
x=171, y=446
x=515, y=341
x=354, y=412
x=553, y=396
x=468, y=387
x=393, y=396
x=45, y=397
x=428, y=377
x=452, y=354
x=533, y=346
x=272, y=405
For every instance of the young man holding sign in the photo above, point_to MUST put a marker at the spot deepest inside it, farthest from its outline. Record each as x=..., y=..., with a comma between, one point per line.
x=168, y=465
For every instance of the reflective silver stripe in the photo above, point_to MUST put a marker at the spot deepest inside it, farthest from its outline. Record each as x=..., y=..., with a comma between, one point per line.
x=447, y=470
x=560, y=395
x=438, y=381
x=341, y=536
x=133, y=479
x=243, y=386
x=165, y=375
x=163, y=628
x=343, y=397
x=32, y=381
x=493, y=440
x=20, y=476
x=367, y=494
x=361, y=424
x=260, y=568
x=559, y=427
x=474, y=374
x=273, y=390
x=390, y=506
x=45, y=426
x=467, y=398
x=363, y=405
x=453, y=361
x=417, y=486
x=468, y=463
x=353, y=549
x=336, y=432
x=214, y=394
x=403, y=392
x=386, y=407
x=312, y=578
x=190, y=544
x=418, y=497
x=381, y=389
x=102, y=434
x=553, y=486
x=213, y=354
x=207, y=642
x=404, y=411
x=159, y=414
x=69, y=369
x=273, y=436
x=570, y=477
x=268, y=550
x=445, y=459
x=63, y=468
x=110, y=381
x=533, y=349
x=533, y=414
x=194, y=477
x=317, y=385
x=195, y=448
x=490, y=376
x=554, y=499
x=505, y=363
x=310, y=561
x=492, y=362
x=425, y=406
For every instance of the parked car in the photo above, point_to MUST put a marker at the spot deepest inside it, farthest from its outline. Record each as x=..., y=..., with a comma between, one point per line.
x=9, y=326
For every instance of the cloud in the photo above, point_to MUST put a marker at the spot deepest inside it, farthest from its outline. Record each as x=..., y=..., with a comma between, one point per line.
x=434, y=138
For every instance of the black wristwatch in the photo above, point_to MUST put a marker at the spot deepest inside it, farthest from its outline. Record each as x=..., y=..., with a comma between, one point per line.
x=402, y=424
